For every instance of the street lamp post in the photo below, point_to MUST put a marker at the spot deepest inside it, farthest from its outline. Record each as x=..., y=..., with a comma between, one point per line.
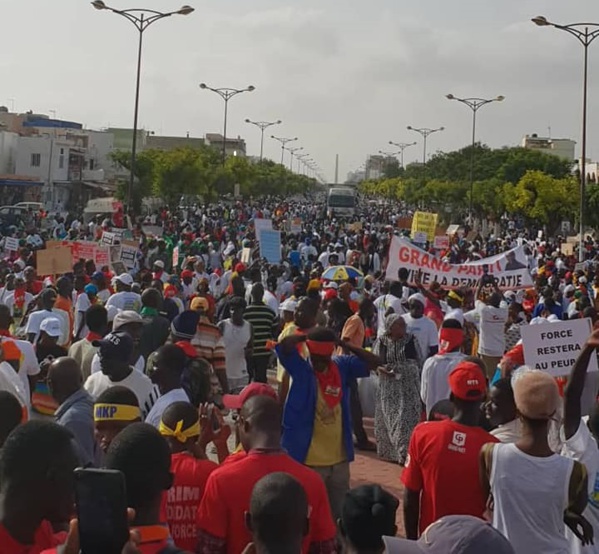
x=402, y=146
x=263, y=125
x=425, y=132
x=292, y=151
x=142, y=19
x=226, y=94
x=300, y=160
x=474, y=104
x=283, y=142
x=586, y=33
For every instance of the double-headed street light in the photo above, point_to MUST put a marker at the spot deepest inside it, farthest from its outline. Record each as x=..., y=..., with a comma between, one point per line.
x=283, y=142
x=402, y=146
x=142, y=19
x=292, y=151
x=263, y=125
x=474, y=104
x=226, y=94
x=586, y=33
x=425, y=133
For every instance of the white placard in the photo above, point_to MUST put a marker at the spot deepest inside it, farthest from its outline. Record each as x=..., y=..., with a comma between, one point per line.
x=262, y=225
x=420, y=237
x=554, y=347
x=11, y=244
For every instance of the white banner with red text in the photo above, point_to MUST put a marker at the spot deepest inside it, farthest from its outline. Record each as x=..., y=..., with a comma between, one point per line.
x=510, y=268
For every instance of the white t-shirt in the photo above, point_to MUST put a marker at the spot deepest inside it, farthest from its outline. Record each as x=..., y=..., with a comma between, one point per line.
x=492, y=329
x=425, y=330
x=435, y=373
x=582, y=447
x=81, y=306
x=235, y=340
x=140, y=384
x=104, y=295
x=125, y=300
x=35, y=320
x=140, y=364
x=382, y=305
x=176, y=395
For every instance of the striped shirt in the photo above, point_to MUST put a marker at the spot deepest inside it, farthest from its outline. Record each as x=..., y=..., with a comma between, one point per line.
x=263, y=321
x=209, y=344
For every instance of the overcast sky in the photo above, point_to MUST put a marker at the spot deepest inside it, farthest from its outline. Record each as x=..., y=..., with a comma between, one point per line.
x=344, y=76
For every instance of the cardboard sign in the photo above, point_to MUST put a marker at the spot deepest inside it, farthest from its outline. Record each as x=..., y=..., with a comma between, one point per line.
x=510, y=268
x=108, y=239
x=11, y=244
x=554, y=347
x=567, y=248
x=452, y=230
x=270, y=246
x=425, y=222
x=128, y=253
x=54, y=261
x=119, y=268
x=102, y=256
x=246, y=255
x=404, y=222
x=441, y=243
x=261, y=225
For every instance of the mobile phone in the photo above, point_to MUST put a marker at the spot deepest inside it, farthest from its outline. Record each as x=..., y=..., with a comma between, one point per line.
x=101, y=510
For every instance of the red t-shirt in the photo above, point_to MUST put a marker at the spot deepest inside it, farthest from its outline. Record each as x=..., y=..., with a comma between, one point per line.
x=228, y=492
x=180, y=503
x=443, y=463
x=44, y=539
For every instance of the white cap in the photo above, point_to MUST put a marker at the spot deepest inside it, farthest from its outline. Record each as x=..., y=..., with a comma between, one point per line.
x=51, y=326
x=331, y=285
x=159, y=263
x=419, y=297
x=288, y=305
x=125, y=317
x=124, y=278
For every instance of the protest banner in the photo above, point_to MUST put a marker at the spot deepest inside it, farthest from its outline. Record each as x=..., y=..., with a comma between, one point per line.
x=108, y=239
x=425, y=222
x=152, y=230
x=102, y=256
x=296, y=225
x=509, y=268
x=83, y=250
x=54, y=261
x=11, y=244
x=419, y=237
x=404, y=222
x=554, y=347
x=261, y=225
x=270, y=246
x=441, y=242
x=128, y=253
x=452, y=230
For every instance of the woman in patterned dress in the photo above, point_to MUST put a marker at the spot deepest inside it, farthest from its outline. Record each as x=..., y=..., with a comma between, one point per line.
x=398, y=404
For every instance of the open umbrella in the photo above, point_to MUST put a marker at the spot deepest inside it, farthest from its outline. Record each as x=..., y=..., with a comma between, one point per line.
x=342, y=273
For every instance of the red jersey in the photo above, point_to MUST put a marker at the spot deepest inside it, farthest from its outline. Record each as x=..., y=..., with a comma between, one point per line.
x=227, y=498
x=443, y=463
x=44, y=539
x=181, y=502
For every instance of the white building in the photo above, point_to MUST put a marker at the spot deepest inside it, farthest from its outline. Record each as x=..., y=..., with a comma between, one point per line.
x=8, y=151
x=562, y=148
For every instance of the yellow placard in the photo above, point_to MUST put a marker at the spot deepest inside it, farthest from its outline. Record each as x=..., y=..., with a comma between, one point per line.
x=425, y=222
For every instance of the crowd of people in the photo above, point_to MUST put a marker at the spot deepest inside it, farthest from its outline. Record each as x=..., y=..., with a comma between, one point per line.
x=231, y=393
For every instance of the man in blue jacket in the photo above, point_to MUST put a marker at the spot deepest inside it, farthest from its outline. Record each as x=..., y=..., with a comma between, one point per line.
x=317, y=428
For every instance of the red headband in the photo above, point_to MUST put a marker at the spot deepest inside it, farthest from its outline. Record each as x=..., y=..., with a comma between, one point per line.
x=318, y=348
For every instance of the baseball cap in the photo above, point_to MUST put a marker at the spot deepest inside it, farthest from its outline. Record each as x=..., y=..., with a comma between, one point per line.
x=125, y=278
x=240, y=267
x=453, y=535
x=51, y=326
x=467, y=382
x=236, y=401
x=115, y=346
x=159, y=263
x=124, y=317
x=288, y=305
x=199, y=303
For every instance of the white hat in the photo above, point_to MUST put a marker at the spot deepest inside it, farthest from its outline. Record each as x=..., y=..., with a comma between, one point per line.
x=288, y=305
x=125, y=317
x=51, y=326
x=331, y=285
x=124, y=278
x=418, y=297
x=159, y=263
x=569, y=288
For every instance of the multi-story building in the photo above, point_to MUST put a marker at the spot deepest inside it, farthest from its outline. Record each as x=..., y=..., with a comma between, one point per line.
x=234, y=146
x=562, y=148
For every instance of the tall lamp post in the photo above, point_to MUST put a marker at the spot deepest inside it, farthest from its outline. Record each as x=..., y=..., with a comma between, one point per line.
x=402, y=146
x=226, y=94
x=283, y=142
x=586, y=33
x=292, y=151
x=263, y=125
x=425, y=132
x=142, y=19
x=474, y=104
x=300, y=160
